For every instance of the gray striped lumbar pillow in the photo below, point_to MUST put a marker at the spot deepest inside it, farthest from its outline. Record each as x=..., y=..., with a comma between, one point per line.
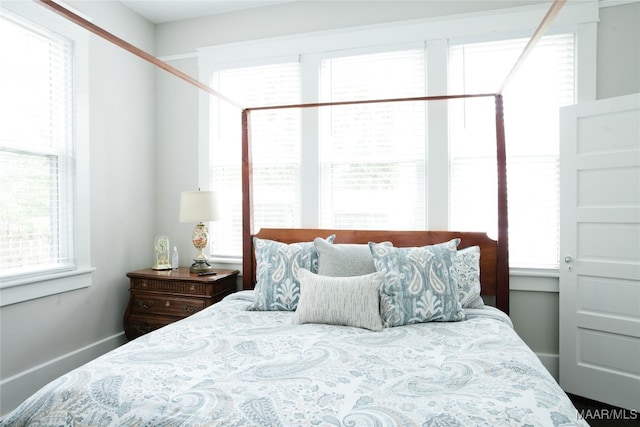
x=349, y=301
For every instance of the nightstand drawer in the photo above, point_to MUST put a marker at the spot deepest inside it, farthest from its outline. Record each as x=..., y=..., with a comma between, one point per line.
x=166, y=305
x=225, y=288
x=185, y=288
x=138, y=326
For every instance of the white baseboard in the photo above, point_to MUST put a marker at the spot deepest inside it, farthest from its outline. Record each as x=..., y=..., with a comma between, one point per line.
x=15, y=389
x=551, y=362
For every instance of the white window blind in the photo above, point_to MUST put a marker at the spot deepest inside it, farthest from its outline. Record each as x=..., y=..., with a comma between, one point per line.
x=36, y=149
x=275, y=144
x=531, y=103
x=372, y=156
x=371, y=159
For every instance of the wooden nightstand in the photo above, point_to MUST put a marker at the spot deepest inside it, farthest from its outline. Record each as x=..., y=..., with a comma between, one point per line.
x=162, y=297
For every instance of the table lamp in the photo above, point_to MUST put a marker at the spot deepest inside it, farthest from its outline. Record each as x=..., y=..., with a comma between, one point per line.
x=200, y=207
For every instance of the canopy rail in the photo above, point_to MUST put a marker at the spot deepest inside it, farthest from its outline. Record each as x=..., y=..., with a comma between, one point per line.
x=551, y=14
x=99, y=31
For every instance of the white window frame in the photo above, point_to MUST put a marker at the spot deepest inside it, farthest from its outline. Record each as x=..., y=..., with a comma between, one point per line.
x=436, y=33
x=30, y=286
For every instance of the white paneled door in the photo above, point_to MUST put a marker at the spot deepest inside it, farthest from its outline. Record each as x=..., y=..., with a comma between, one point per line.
x=600, y=250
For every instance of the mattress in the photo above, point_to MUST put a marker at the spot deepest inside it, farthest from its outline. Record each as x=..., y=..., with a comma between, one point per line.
x=232, y=367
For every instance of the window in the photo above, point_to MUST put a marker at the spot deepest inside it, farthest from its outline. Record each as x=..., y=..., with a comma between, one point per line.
x=391, y=136
x=276, y=148
x=532, y=100
x=372, y=156
x=385, y=166
x=40, y=220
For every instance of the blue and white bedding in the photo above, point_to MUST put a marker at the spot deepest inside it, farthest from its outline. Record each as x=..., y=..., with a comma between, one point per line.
x=231, y=367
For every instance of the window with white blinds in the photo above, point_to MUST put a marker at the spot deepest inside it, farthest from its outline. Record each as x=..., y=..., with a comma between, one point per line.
x=37, y=222
x=532, y=100
x=372, y=155
x=365, y=166
x=275, y=150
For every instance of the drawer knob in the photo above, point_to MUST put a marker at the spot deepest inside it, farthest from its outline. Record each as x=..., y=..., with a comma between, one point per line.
x=192, y=288
x=144, y=284
x=143, y=329
x=167, y=304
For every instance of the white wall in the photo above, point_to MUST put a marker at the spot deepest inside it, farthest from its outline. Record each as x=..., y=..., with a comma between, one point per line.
x=177, y=138
x=619, y=51
x=306, y=16
x=43, y=338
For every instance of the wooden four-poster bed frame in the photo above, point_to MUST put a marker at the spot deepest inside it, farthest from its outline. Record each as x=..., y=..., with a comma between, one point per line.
x=495, y=260
x=501, y=286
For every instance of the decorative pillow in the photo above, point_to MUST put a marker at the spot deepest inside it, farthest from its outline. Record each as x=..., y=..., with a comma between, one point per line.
x=468, y=269
x=349, y=301
x=344, y=260
x=420, y=283
x=277, y=267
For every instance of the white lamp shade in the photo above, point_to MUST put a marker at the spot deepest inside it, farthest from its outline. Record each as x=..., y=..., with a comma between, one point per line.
x=196, y=206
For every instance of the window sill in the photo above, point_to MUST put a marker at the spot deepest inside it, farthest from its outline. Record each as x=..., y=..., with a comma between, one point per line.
x=534, y=280
x=534, y=272
x=12, y=292
x=225, y=259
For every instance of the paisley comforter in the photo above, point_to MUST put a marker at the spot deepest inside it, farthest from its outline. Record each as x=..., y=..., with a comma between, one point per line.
x=228, y=366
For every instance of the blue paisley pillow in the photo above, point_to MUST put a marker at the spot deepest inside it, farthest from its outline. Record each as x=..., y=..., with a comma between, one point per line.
x=420, y=284
x=277, y=265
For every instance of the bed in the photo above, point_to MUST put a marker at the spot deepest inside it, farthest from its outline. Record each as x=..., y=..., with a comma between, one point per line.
x=236, y=364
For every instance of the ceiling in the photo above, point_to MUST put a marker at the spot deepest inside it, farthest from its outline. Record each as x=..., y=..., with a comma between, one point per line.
x=160, y=11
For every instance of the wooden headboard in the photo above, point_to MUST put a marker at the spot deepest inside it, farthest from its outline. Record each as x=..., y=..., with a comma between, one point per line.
x=489, y=260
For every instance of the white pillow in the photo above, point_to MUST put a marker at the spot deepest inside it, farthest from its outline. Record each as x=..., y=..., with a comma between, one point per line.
x=349, y=301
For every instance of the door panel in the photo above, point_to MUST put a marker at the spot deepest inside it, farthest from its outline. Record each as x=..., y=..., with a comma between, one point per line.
x=591, y=289
x=600, y=246
x=595, y=187
x=596, y=351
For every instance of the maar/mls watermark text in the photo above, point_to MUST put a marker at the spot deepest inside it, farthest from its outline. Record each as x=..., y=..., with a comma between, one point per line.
x=608, y=414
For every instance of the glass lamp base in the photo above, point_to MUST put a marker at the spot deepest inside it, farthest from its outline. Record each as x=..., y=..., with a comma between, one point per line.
x=200, y=266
